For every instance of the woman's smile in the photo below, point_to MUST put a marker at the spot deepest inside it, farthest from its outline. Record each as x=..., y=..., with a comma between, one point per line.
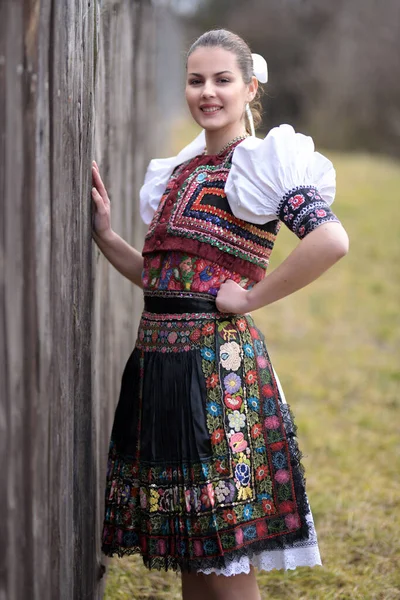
x=216, y=94
x=210, y=108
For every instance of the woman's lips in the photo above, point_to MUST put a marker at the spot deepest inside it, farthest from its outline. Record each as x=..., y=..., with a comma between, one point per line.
x=210, y=110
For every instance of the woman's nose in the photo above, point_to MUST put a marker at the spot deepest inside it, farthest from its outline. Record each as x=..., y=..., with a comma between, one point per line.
x=208, y=90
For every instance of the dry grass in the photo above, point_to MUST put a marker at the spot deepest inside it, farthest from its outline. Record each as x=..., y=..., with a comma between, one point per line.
x=336, y=348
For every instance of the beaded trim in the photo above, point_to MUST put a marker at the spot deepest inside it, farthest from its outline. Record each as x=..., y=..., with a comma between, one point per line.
x=302, y=210
x=176, y=294
x=202, y=213
x=167, y=317
x=194, y=212
x=229, y=144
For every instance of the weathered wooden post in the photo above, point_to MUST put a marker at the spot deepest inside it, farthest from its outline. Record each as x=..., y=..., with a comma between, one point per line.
x=67, y=70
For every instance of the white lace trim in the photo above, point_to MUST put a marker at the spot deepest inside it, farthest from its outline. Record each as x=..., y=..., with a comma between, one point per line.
x=302, y=554
x=274, y=559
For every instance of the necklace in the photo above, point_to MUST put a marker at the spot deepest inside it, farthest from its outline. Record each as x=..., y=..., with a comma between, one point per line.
x=236, y=139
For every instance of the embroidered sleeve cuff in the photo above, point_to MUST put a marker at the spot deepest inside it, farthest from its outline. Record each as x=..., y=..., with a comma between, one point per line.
x=303, y=210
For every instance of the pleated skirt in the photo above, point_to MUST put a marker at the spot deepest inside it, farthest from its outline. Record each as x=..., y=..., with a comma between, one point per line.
x=204, y=471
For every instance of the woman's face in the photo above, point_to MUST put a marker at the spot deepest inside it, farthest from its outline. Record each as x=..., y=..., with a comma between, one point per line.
x=215, y=91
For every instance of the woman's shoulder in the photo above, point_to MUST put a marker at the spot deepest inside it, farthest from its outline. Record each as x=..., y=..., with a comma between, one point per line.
x=282, y=141
x=283, y=159
x=158, y=173
x=264, y=171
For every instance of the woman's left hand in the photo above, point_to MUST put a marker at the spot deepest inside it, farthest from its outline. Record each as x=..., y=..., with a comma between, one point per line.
x=232, y=298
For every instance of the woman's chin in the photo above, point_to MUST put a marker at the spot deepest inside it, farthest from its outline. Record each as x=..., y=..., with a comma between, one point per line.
x=211, y=125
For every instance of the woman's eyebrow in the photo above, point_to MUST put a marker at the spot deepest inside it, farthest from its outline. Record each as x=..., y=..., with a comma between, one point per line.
x=215, y=74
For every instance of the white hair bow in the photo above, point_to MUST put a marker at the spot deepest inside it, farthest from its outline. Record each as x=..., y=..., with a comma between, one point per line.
x=260, y=68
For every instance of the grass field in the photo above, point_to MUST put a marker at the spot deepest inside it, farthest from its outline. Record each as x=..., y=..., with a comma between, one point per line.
x=336, y=348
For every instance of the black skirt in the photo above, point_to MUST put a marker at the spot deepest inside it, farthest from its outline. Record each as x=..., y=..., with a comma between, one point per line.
x=204, y=466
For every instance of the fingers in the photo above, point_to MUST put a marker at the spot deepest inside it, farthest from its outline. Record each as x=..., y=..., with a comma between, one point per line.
x=220, y=300
x=228, y=284
x=220, y=306
x=99, y=183
x=99, y=202
x=97, y=180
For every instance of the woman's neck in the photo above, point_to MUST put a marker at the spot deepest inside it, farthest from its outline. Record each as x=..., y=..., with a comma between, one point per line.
x=217, y=140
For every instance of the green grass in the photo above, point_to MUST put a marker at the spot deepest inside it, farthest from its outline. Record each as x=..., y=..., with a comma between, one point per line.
x=335, y=346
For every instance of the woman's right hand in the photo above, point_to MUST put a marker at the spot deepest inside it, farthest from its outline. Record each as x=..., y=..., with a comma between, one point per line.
x=102, y=216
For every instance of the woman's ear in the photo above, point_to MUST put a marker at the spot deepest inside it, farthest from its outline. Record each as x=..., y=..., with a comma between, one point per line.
x=253, y=87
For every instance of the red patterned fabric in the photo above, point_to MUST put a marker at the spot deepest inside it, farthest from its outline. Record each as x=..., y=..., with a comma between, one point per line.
x=194, y=216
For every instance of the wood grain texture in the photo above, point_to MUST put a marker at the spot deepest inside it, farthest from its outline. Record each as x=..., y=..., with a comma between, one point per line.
x=77, y=85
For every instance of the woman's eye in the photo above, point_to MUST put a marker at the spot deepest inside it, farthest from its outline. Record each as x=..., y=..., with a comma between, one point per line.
x=223, y=80
x=194, y=81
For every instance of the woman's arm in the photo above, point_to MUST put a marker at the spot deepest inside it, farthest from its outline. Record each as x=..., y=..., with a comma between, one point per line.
x=316, y=253
x=127, y=260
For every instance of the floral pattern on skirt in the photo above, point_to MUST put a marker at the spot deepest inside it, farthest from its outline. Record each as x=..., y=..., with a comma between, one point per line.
x=203, y=465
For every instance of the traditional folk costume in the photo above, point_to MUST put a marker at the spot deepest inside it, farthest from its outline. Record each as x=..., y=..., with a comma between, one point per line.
x=204, y=469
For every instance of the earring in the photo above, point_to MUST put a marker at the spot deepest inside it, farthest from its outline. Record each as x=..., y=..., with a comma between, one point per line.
x=250, y=119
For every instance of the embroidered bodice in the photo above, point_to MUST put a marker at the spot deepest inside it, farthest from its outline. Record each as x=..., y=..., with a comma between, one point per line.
x=176, y=271
x=194, y=216
x=226, y=209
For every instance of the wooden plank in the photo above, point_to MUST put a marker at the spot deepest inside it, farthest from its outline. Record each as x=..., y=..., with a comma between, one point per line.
x=17, y=476
x=4, y=382
x=66, y=319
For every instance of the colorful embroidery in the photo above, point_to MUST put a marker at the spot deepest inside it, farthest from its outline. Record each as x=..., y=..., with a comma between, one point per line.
x=303, y=210
x=178, y=271
x=194, y=216
x=202, y=212
x=248, y=491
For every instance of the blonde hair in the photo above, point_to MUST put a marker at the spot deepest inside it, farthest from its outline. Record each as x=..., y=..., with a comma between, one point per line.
x=222, y=38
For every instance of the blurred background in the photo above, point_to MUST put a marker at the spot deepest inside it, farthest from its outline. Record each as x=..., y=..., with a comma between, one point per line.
x=333, y=66
x=105, y=79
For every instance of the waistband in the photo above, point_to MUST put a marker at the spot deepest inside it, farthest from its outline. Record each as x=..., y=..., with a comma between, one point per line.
x=179, y=304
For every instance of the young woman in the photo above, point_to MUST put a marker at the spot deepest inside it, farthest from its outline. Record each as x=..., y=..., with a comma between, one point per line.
x=204, y=472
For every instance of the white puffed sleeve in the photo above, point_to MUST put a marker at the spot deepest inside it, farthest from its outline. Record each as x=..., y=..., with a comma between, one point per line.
x=281, y=177
x=158, y=173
